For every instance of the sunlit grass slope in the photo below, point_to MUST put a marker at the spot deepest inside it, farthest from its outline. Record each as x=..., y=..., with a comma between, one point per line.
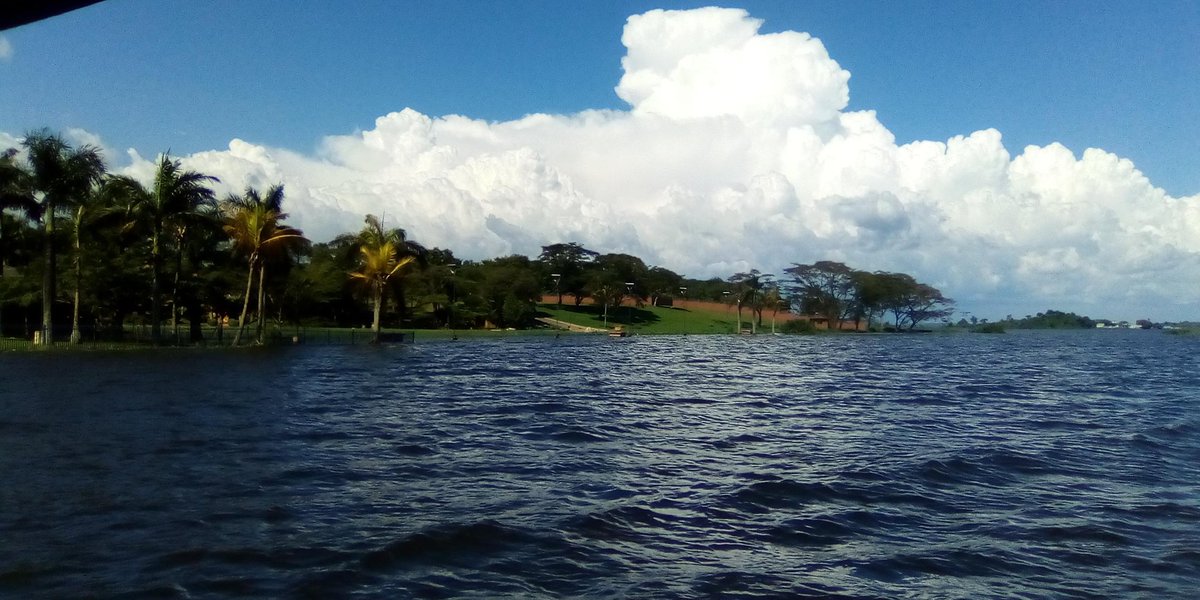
x=646, y=320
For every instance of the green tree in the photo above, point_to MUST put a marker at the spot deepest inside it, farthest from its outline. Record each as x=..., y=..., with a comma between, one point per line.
x=712, y=289
x=924, y=302
x=203, y=270
x=177, y=201
x=571, y=261
x=87, y=212
x=254, y=223
x=773, y=300
x=509, y=290
x=58, y=176
x=437, y=286
x=661, y=283
x=380, y=264
x=874, y=293
x=909, y=301
x=404, y=247
x=824, y=287
x=16, y=193
x=749, y=290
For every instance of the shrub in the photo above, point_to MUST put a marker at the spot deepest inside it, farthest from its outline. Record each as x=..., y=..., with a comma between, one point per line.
x=990, y=328
x=798, y=326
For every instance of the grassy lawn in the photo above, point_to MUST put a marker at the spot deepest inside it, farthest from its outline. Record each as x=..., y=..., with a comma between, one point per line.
x=642, y=321
x=648, y=319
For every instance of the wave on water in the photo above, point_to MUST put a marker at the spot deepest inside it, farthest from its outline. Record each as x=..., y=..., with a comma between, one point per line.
x=672, y=467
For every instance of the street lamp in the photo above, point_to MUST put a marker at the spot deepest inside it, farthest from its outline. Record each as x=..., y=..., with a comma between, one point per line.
x=557, y=277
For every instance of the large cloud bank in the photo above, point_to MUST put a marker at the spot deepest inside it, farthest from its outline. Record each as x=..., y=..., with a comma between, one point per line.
x=738, y=152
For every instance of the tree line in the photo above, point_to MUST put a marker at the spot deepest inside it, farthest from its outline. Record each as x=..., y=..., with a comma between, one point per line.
x=173, y=257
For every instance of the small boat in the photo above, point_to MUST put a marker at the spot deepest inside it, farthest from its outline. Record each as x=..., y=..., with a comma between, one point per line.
x=618, y=331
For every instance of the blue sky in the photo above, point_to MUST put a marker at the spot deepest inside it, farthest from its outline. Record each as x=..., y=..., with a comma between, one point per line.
x=1123, y=76
x=736, y=149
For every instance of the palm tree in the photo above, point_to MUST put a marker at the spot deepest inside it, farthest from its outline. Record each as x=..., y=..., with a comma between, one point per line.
x=59, y=175
x=774, y=301
x=254, y=224
x=380, y=263
x=197, y=243
x=177, y=200
x=88, y=210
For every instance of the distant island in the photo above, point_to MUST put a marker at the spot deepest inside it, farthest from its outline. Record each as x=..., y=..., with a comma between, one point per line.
x=1055, y=319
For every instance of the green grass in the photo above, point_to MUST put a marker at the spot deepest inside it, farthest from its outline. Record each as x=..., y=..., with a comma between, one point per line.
x=648, y=319
x=642, y=321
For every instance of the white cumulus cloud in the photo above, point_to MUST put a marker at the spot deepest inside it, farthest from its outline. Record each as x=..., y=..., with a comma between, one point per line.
x=738, y=152
x=6, y=49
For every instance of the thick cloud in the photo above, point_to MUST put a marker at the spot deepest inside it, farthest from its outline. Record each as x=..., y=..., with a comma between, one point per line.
x=737, y=152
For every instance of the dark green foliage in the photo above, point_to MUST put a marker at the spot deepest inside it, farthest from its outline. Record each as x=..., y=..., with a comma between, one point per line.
x=825, y=288
x=840, y=294
x=990, y=328
x=1052, y=319
x=571, y=262
x=711, y=290
x=660, y=283
x=506, y=290
x=798, y=326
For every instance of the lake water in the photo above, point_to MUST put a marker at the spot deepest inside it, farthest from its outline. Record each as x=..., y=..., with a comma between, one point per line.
x=1048, y=464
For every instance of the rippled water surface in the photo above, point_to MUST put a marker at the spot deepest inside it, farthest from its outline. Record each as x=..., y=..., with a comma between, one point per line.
x=1027, y=464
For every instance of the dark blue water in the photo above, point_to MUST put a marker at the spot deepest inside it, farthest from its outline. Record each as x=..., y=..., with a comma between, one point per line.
x=1019, y=465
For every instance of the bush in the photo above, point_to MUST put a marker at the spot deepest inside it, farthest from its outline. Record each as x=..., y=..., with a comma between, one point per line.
x=990, y=328
x=798, y=326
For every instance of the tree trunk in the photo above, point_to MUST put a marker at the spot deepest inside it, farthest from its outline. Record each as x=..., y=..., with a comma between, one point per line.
x=375, y=323
x=262, y=301
x=49, y=273
x=237, y=338
x=195, y=334
x=155, y=309
x=76, y=336
x=175, y=292
x=3, y=254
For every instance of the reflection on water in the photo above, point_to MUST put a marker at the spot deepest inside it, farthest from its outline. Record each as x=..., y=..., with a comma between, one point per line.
x=858, y=466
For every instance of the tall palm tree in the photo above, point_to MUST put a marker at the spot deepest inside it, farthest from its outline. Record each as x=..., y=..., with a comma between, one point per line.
x=177, y=199
x=254, y=223
x=774, y=301
x=750, y=292
x=380, y=263
x=88, y=210
x=197, y=244
x=59, y=175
